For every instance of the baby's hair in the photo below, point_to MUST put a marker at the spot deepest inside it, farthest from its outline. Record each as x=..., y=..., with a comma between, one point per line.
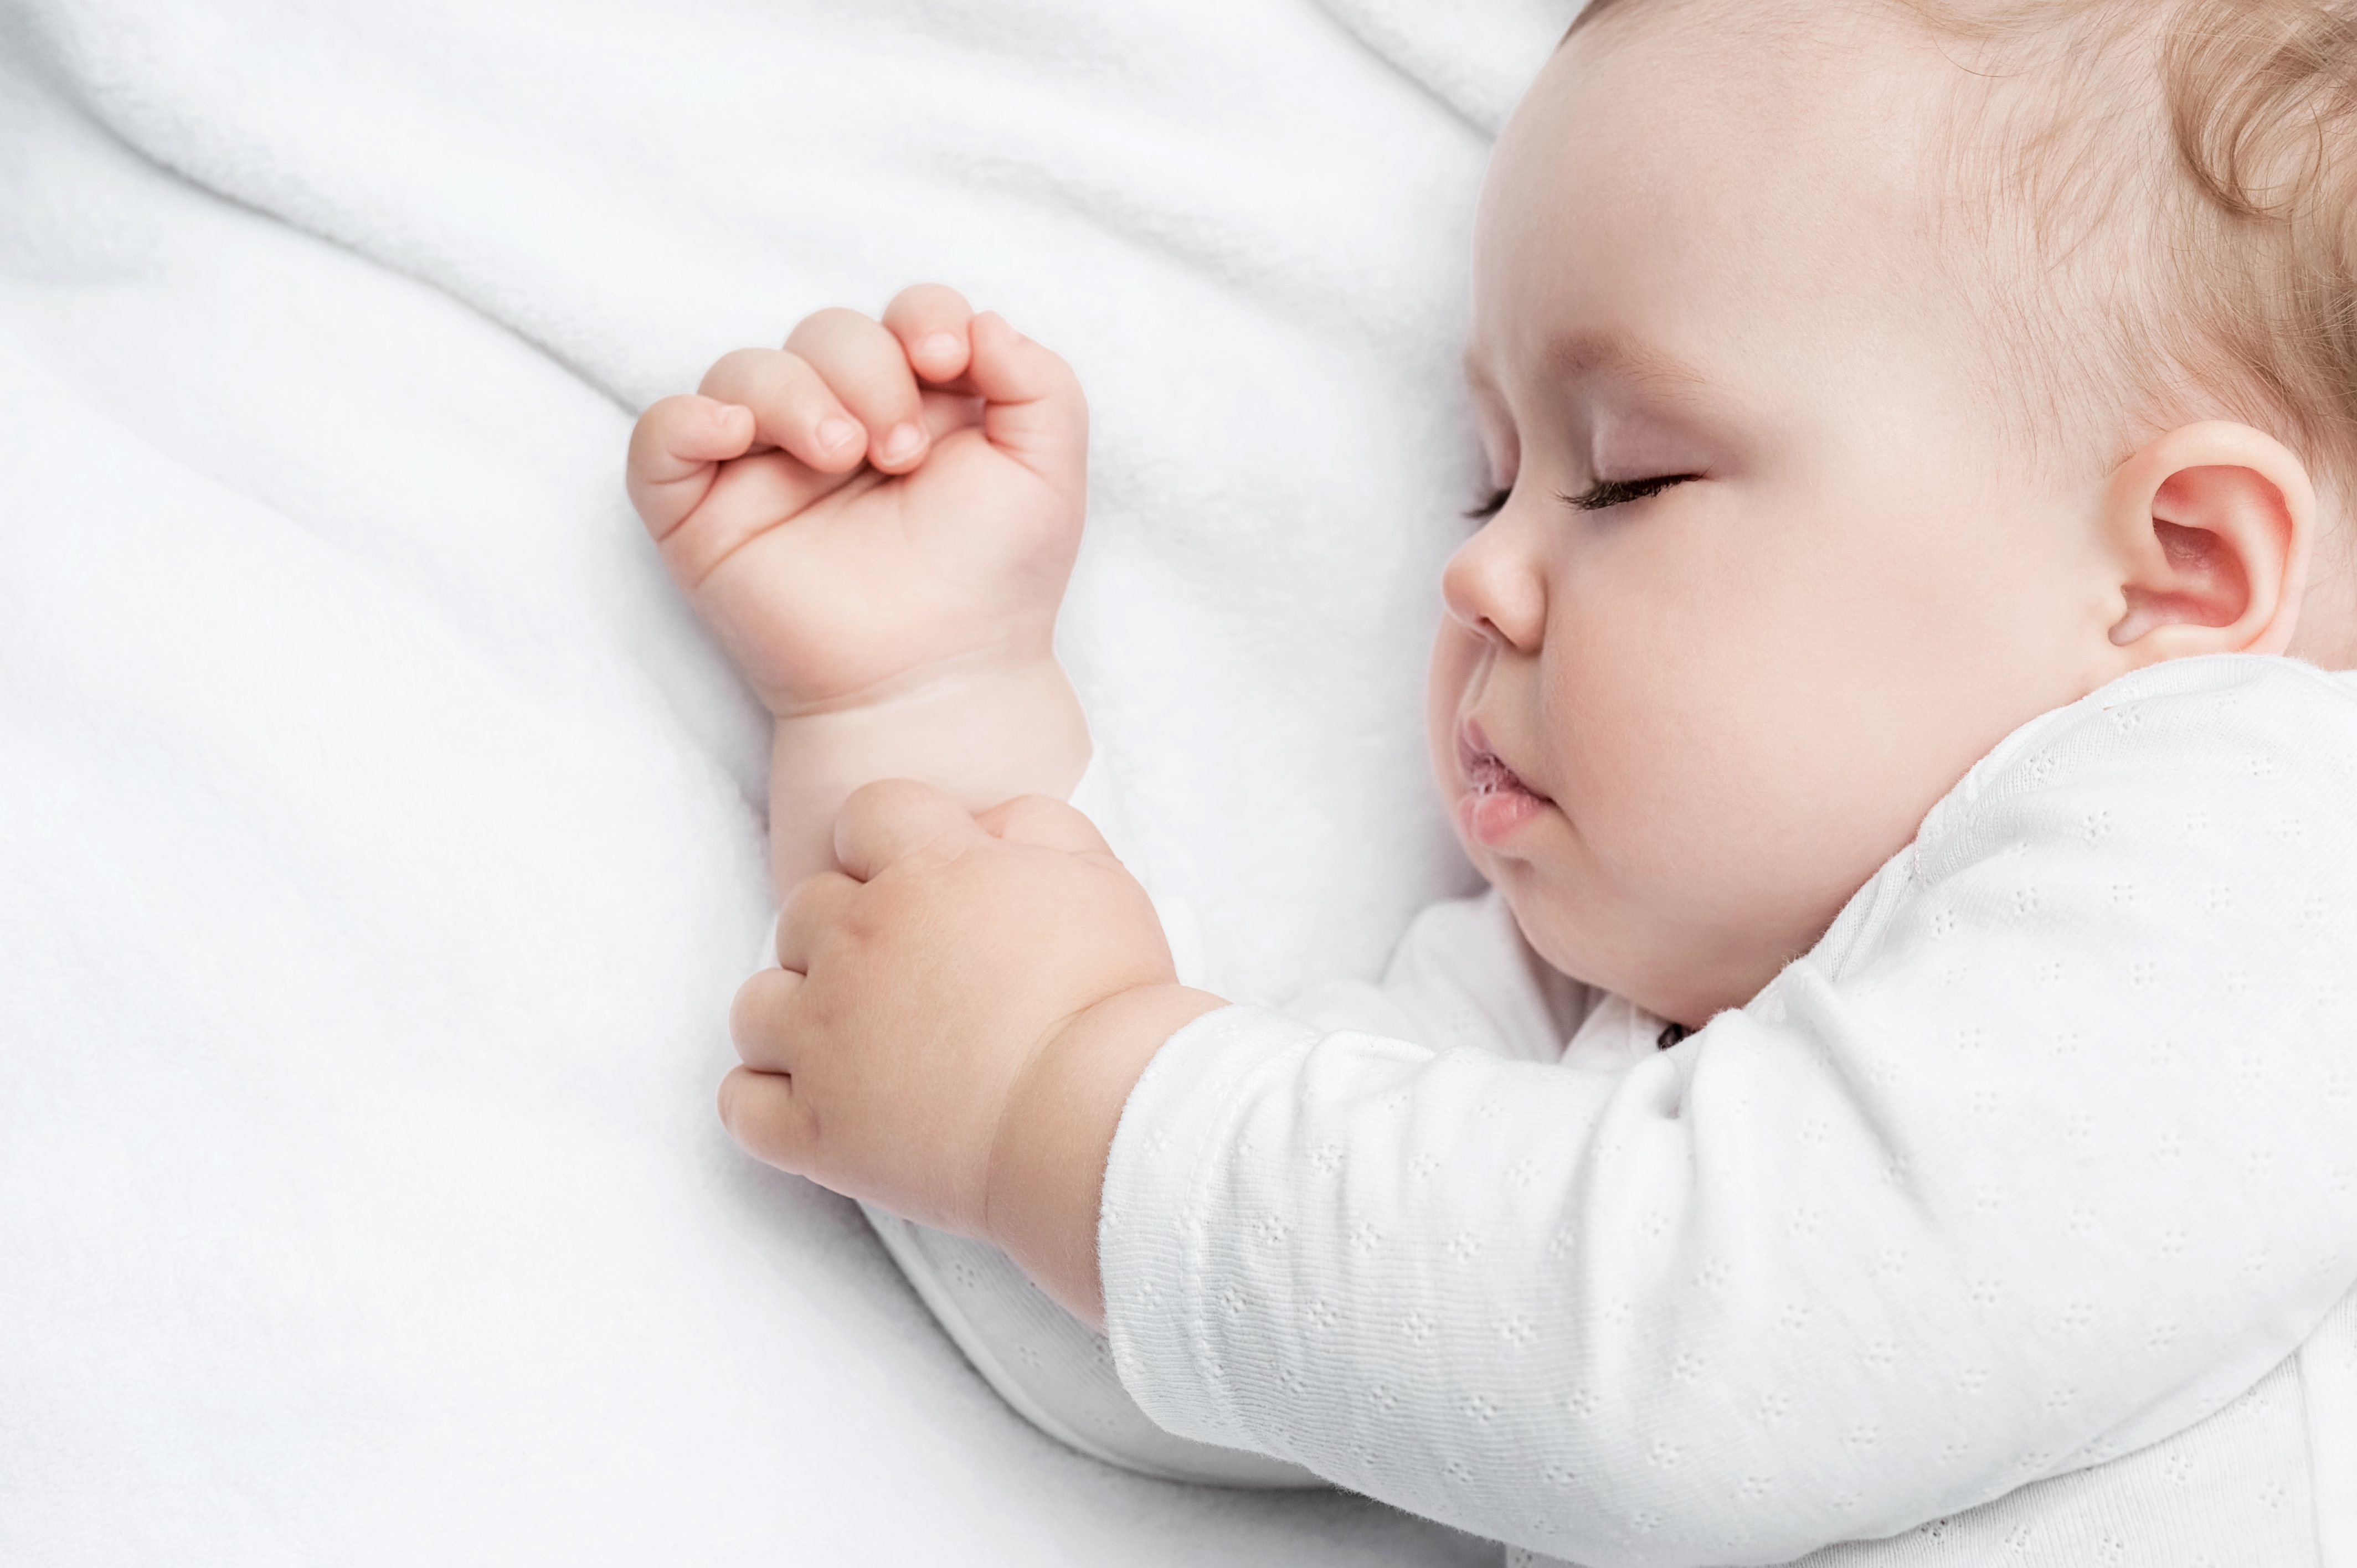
x=2177, y=179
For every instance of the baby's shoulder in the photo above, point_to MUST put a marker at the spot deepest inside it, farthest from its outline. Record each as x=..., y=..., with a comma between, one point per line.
x=2204, y=806
x=2210, y=750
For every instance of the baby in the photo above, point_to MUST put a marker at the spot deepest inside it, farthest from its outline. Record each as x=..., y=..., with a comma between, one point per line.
x=1900, y=1084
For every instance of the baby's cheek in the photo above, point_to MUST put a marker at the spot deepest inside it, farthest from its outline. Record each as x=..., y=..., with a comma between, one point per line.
x=1688, y=818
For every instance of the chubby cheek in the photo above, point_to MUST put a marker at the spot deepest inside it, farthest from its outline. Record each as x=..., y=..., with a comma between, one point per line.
x=1728, y=784
x=1642, y=744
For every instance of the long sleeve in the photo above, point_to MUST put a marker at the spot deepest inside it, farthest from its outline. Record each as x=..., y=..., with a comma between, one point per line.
x=1461, y=975
x=2043, y=1154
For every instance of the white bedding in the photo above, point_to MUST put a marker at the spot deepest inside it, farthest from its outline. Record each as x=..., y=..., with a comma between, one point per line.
x=379, y=839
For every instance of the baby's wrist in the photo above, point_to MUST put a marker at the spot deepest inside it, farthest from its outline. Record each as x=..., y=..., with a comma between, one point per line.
x=1055, y=1135
x=984, y=730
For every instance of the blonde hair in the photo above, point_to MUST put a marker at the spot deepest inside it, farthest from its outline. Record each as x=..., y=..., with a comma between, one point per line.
x=2218, y=137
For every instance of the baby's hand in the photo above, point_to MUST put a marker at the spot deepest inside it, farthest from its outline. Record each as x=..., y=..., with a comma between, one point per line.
x=958, y=1023
x=876, y=503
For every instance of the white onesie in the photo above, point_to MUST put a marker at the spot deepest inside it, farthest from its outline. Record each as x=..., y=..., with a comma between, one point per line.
x=2017, y=1222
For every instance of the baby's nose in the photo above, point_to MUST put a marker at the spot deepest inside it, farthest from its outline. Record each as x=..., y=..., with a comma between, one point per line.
x=1495, y=586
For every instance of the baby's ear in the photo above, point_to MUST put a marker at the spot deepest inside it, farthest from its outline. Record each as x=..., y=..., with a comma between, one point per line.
x=2210, y=526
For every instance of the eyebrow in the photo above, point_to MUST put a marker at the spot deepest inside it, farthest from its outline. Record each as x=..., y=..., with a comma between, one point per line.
x=1613, y=356
x=1622, y=358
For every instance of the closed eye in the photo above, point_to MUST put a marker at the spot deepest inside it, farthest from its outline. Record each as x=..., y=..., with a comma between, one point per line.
x=1606, y=493
x=1491, y=508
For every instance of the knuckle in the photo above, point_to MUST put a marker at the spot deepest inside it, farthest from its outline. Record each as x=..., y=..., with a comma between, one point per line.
x=734, y=368
x=808, y=394
x=869, y=922
x=1028, y=811
x=647, y=439
x=931, y=301
x=878, y=797
x=757, y=1110
x=740, y=1017
x=756, y=1025
x=831, y=332
x=804, y=895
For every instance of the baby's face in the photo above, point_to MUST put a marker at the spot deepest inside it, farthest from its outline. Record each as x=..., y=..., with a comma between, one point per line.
x=1769, y=581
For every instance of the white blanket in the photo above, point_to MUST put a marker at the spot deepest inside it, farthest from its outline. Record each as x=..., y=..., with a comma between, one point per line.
x=380, y=839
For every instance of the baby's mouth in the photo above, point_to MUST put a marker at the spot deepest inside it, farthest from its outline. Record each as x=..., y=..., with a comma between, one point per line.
x=1485, y=772
x=1497, y=801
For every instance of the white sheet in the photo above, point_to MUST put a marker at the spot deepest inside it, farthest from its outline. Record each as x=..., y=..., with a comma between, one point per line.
x=379, y=837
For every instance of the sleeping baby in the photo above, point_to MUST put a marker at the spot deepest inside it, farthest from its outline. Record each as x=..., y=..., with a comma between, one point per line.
x=1901, y=1088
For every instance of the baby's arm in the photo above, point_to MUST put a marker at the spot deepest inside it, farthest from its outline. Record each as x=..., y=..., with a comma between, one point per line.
x=1931, y=1219
x=894, y=605
x=876, y=522
x=960, y=1013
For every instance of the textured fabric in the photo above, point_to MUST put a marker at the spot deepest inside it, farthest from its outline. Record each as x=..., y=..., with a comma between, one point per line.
x=1463, y=977
x=382, y=837
x=1052, y=1368
x=2029, y=1184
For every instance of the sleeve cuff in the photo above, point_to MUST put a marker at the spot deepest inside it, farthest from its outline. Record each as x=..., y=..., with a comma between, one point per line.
x=1161, y=1178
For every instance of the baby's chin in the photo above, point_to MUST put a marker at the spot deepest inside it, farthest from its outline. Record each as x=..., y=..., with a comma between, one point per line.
x=1522, y=845
x=1593, y=940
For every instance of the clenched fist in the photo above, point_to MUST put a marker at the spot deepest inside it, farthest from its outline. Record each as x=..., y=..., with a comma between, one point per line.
x=874, y=504
x=960, y=1013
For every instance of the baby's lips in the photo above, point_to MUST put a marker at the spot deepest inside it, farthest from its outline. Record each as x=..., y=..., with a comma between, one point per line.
x=1473, y=746
x=1485, y=772
x=1483, y=767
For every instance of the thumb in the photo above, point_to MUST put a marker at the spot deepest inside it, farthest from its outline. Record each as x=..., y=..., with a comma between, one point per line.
x=892, y=819
x=1032, y=406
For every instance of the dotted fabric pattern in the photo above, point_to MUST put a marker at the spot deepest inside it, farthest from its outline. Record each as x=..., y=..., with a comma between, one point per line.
x=1055, y=1371
x=1050, y=1368
x=2013, y=1223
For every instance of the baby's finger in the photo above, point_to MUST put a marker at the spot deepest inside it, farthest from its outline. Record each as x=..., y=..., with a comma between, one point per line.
x=1045, y=821
x=763, y=1111
x=886, y=822
x=676, y=450
x=813, y=910
x=758, y=1020
x=791, y=405
x=1032, y=406
x=864, y=365
x=929, y=320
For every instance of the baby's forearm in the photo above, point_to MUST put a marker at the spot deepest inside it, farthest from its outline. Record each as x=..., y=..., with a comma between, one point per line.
x=984, y=731
x=1047, y=1164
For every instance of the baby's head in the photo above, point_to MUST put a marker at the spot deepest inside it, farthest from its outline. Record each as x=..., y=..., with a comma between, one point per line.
x=1869, y=377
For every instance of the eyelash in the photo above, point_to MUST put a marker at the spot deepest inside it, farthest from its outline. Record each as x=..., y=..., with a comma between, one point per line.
x=1597, y=497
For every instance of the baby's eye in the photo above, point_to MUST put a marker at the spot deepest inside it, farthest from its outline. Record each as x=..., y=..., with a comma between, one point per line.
x=1606, y=493
x=1491, y=508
